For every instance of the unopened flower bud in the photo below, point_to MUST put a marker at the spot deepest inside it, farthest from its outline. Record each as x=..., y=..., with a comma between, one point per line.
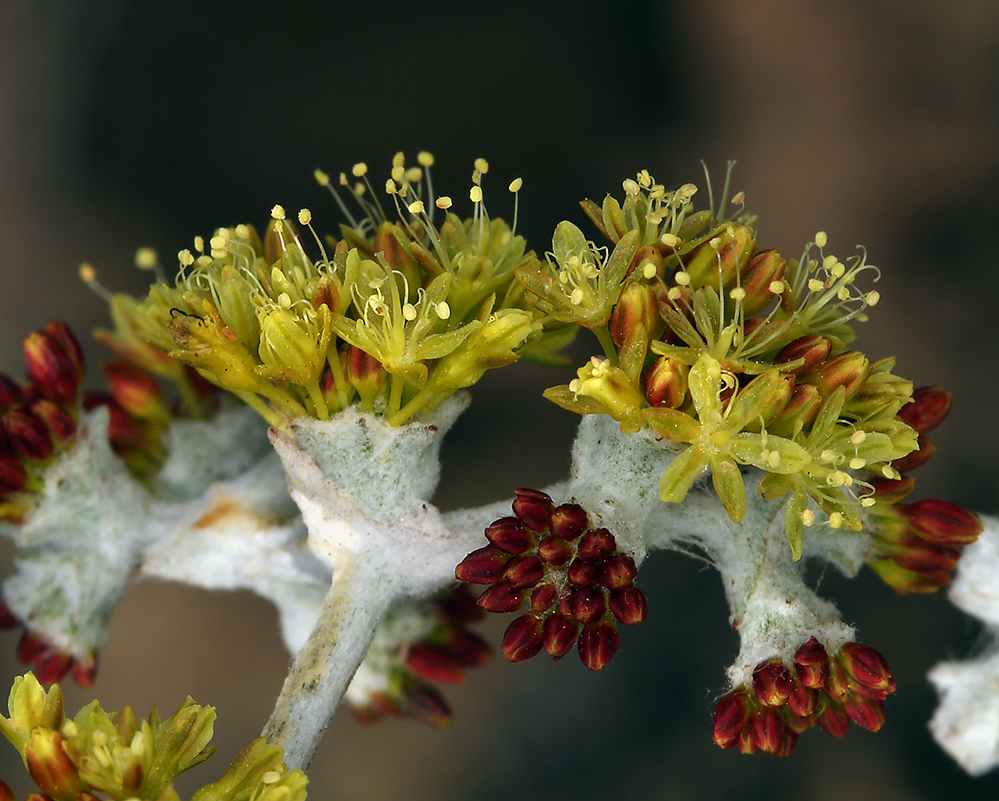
x=628, y=605
x=61, y=333
x=6, y=794
x=787, y=744
x=848, y=370
x=555, y=550
x=923, y=453
x=866, y=712
x=586, y=604
x=534, y=508
x=596, y=545
x=618, y=572
x=744, y=742
x=569, y=520
x=767, y=728
x=834, y=720
x=803, y=700
x=929, y=407
x=811, y=349
x=543, y=598
x=53, y=371
x=60, y=424
x=52, y=665
x=890, y=491
x=136, y=391
x=942, y=522
x=665, y=382
x=49, y=766
x=598, y=643
x=801, y=409
x=524, y=571
x=508, y=534
x=522, y=639
x=762, y=270
x=905, y=581
x=12, y=473
x=837, y=683
x=867, y=666
x=635, y=307
x=731, y=715
x=502, y=597
x=811, y=663
x=482, y=566
x=723, y=256
x=27, y=435
x=434, y=664
x=559, y=635
x=84, y=670
x=581, y=574
x=772, y=683
x=365, y=374
x=11, y=393
x=926, y=557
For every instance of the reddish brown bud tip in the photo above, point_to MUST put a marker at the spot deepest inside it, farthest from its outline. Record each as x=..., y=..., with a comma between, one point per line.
x=802, y=408
x=866, y=712
x=469, y=649
x=942, y=522
x=834, y=720
x=787, y=745
x=837, y=681
x=926, y=557
x=51, y=368
x=586, y=604
x=848, y=370
x=522, y=639
x=665, y=382
x=57, y=420
x=929, y=407
x=49, y=765
x=596, y=545
x=61, y=333
x=597, y=644
x=812, y=349
x=7, y=618
x=867, y=666
x=767, y=728
x=581, y=574
x=52, y=665
x=892, y=490
x=425, y=704
x=731, y=715
x=534, y=508
x=555, y=550
x=434, y=664
x=618, y=572
x=811, y=663
x=136, y=390
x=916, y=458
x=484, y=566
x=12, y=473
x=30, y=647
x=560, y=635
x=27, y=435
x=6, y=794
x=508, y=534
x=803, y=700
x=772, y=683
x=524, y=571
x=763, y=269
x=10, y=393
x=543, y=598
x=569, y=520
x=628, y=605
x=501, y=598
x=744, y=742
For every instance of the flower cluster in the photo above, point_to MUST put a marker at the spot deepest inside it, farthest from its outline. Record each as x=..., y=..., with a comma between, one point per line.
x=418, y=644
x=784, y=700
x=72, y=758
x=575, y=577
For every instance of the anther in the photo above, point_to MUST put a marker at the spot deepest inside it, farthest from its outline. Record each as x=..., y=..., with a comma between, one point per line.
x=146, y=258
x=630, y=187
x=515, y=184
x=738, y=198
x=277, y=212
x=843, y=293
x=475, y=194
x=321, y=178
x=670, y=240
x=390, y=186
x=649, y=270
x=776, y=287
x=443, y=310
x=807, y=517
x=674, y=293
x=199, y=243
x=482, y=166
x=425, y=159
x=815, y=285
x=821, y=239
x=836, y=520
x=409, y=311
x=270, y=777
x=868, y=502
x=829, y=262
x=682, y=278
x=284, y=300
x=243, y=231
x=872, y=297
x=414, y=174
x=576, y=297
x=858, y=437
x=399, y=159
x=415, y=207
x=443, y=202
x=69, y=730
x=304, y=216
x=359, y=170
x=737, y=293
x=204, y=261
x=185, y=258
x=856, y=463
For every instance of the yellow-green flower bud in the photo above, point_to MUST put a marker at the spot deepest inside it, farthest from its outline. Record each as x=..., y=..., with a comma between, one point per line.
x=30, y=707
x=49, y=765
x=665, y=382
x=611, y=387
x=725, y=255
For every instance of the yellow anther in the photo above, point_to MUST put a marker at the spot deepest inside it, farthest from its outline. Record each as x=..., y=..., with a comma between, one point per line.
x=304, y=216
x=415, y=207
x=414, y=174
x=821, y=239
x=649, y=270
x=321, y=178
x=443, y=310
x=243, y=231
x=590, y=271
x=858, y=437
x=674, y=293
x=576, y=297
x=835, y=520
x=482, y=166
x=277, y=212
x=399, y=174
x=284, y=300
x=563, y=277
x=359, y=169
x=645, y=179
x=682, y=277
x=828, y=455
x=670, y=240
x=399, y=159
x=138, y=744
x=515, y=184
x=270, y=777
x=103, y=756
x=145, y=258
x=574, y=385
x=343, y=179
x=737, y=293
x=829, y=262
x=630, y=187
x=69, y=730
x=443, y=202
x=185, y=258
x=838, y=269
x=199, y=244
x=218, y=242
x=88, y=273
x=807, y=517
x=856, y=463
x=687, y=191
x=776, y=287
x=99, y=739
x=843, y=293
x=390, y=186
x=773, y=459
x=475, y=194
x=868, y=502
x=815, y=285
x=738, y=198
x=359, y=189
x=409, y=311
x=204, y=261
x=715, y=242
x=425, y=159
x=872, y=297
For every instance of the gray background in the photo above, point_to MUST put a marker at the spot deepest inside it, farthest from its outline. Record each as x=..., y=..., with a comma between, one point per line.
x=125, y=124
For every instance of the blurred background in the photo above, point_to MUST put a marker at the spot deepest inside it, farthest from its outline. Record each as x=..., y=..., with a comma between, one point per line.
x=125, y=124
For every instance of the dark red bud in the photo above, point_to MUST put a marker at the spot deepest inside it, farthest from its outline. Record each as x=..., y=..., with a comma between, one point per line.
x=569, y=520
x=543, y=598
x=12, y=474
x=484, y=566
x=787, y=745
x=27, y=435
x=524, y=571
x=848, y=370
x=767, y=728
x=52, y=665
x=508, y=534
x=618, y=572
x=555, y=550
x=929, y=407
x=522, y=639
x=501, y=598
x=916, y=458
x=6, y=794
x=763, y=269
x=469, y=649
x=596, y=545
x=586, y=604
x=30, y=647
x=892, y=490
x=628, y=605
x=559, y=633
x=834, y=720
x=52, y=370
x=597, y=644
x=802, y=407
x=744, y=742
x=84, y=670
x=60, y=332
x=425, y=704
x=803, y=700
x=434, y=664
x=135, y=389
x=665, y=382
x=812, y=348
x=8, y=620
x=811, y=663
x=942, y=522
x=582, y=574
x=122, y=430
x=731, y=715
x=837, y=681
x=59, y=422
x=866, y=712
x=534, y=508
x=867, y=666
x=11, y=393
x=927, y=557
x=772, y=683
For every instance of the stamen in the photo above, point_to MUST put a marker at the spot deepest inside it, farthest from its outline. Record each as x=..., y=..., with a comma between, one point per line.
x=821, y=239
x=304, y=216
x=443, y=202
x=277, y=213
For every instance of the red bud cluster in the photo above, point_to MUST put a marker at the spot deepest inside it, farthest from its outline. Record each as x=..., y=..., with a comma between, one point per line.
x=782, y=701
x=440, y=657
x=49, y=663
x=575, y=579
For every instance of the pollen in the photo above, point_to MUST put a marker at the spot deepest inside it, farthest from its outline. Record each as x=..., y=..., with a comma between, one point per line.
x=425, y=159
x=304, y=216
x=821, y=239
x=682, y=278
x=515, y=184
x=872, y=297
x=843, y=293
x=670, y=240
x=399, y=173
x=443, y=310
x=475, y=194
x=649, y=270
x=443, y=202
x=145, y=258
x=277, y=213
x=415, y=207
x=482, y=166
x=868, y=502
x=204, y=261
x=359, y=170
x=243, y=231
x=674, y=293
x=630, y=186
x=185, y=258
x=321, y=178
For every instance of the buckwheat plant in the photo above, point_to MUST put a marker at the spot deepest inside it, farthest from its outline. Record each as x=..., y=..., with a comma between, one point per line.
x=273, y=421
